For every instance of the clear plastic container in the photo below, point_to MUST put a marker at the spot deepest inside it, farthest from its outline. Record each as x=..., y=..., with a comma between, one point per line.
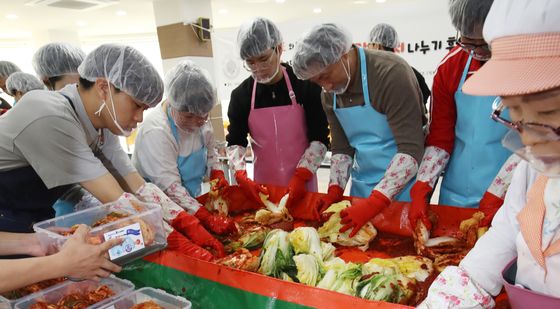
x=6, y=303
x=53, y=294
x=142, y=229
x=160, y=297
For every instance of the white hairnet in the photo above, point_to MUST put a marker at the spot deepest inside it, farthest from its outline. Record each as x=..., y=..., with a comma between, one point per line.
x=257, y=36
x=188, y=89
x=324, y=45
x=7, y=68
x=468, y=16
x=22, y=82
x=385, y=35
x=56, y=59
x=127, y=69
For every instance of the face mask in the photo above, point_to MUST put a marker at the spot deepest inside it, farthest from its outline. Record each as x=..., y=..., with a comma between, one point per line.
x=189, y=125
x=347, y=71
x=180, y=129
x=267, y=80
x=547, y=164
x=185, y=131
x=113, y=116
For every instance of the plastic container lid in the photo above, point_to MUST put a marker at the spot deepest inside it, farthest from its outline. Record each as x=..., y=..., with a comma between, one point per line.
x=160, y=297
x=142, y=229
x=53, y=294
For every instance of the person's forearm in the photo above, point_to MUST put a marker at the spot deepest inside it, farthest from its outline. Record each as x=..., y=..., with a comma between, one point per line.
x=400, y=171
x=19, y=243
x=133, y=182
x=105, y=188
x=23, y=272
x=181, y=197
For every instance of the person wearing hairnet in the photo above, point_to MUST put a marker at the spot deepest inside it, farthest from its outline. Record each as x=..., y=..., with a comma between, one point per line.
x=374, y=107
x=6, y=69
x=462, y=140
x=175, y=145
x=284, y=117
x=20, y=83
x=54, y=139
x=384, y=37
x=521, y=251
x=57, y=64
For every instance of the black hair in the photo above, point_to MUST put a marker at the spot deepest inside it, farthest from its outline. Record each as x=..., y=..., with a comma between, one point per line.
x=385, y=48
x=51, y=81
x=86, y=84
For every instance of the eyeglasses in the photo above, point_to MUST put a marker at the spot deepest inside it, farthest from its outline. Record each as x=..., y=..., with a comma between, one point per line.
x=185, y=117
x=545, y=131
x=260, y=65
x=471, y=47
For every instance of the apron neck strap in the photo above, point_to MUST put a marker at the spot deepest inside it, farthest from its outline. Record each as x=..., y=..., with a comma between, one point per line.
x=174, y=130
x=364, y=78
x=172, y=124
x=465, y=72
x=70, y=101
x=291, y=92
x=253, y=94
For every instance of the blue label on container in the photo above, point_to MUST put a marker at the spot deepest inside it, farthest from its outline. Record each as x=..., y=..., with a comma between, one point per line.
x=133, y=232
x=133, y=240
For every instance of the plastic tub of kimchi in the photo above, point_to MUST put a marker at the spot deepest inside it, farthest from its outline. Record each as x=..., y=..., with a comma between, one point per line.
x=84, y=294
x=10, y=298
x=140, y=225
x=149, y=298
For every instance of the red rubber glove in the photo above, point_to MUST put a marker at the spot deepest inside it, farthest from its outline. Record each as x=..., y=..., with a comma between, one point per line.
x=222, y=182
x=297, y=187
x=218, y=224
x=489, y=205
x=419, y=194
x=176, y=241
x=190, y=226
x=355, y=216
x=249, y=187
x=334, y=195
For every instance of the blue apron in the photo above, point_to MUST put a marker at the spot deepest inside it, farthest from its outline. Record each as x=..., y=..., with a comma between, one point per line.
x=477, y=154
x=66, y=203
x=24, y=198
x=369, y=133
x=193, y=167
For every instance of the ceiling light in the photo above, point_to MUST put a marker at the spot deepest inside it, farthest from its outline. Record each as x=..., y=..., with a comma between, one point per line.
x=223, y=11
x=12, y=16
x=280, y=1
x=317, y=10
x=360, y=2
x=120, y=13
x=380, y=1
x=81, y=23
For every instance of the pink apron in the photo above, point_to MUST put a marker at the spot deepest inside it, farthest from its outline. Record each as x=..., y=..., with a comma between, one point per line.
x=524, y=298
x=530, y=220
x=278, y=140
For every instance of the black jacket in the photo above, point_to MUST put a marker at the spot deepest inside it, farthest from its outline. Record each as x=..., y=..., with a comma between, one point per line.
x=307, y=94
